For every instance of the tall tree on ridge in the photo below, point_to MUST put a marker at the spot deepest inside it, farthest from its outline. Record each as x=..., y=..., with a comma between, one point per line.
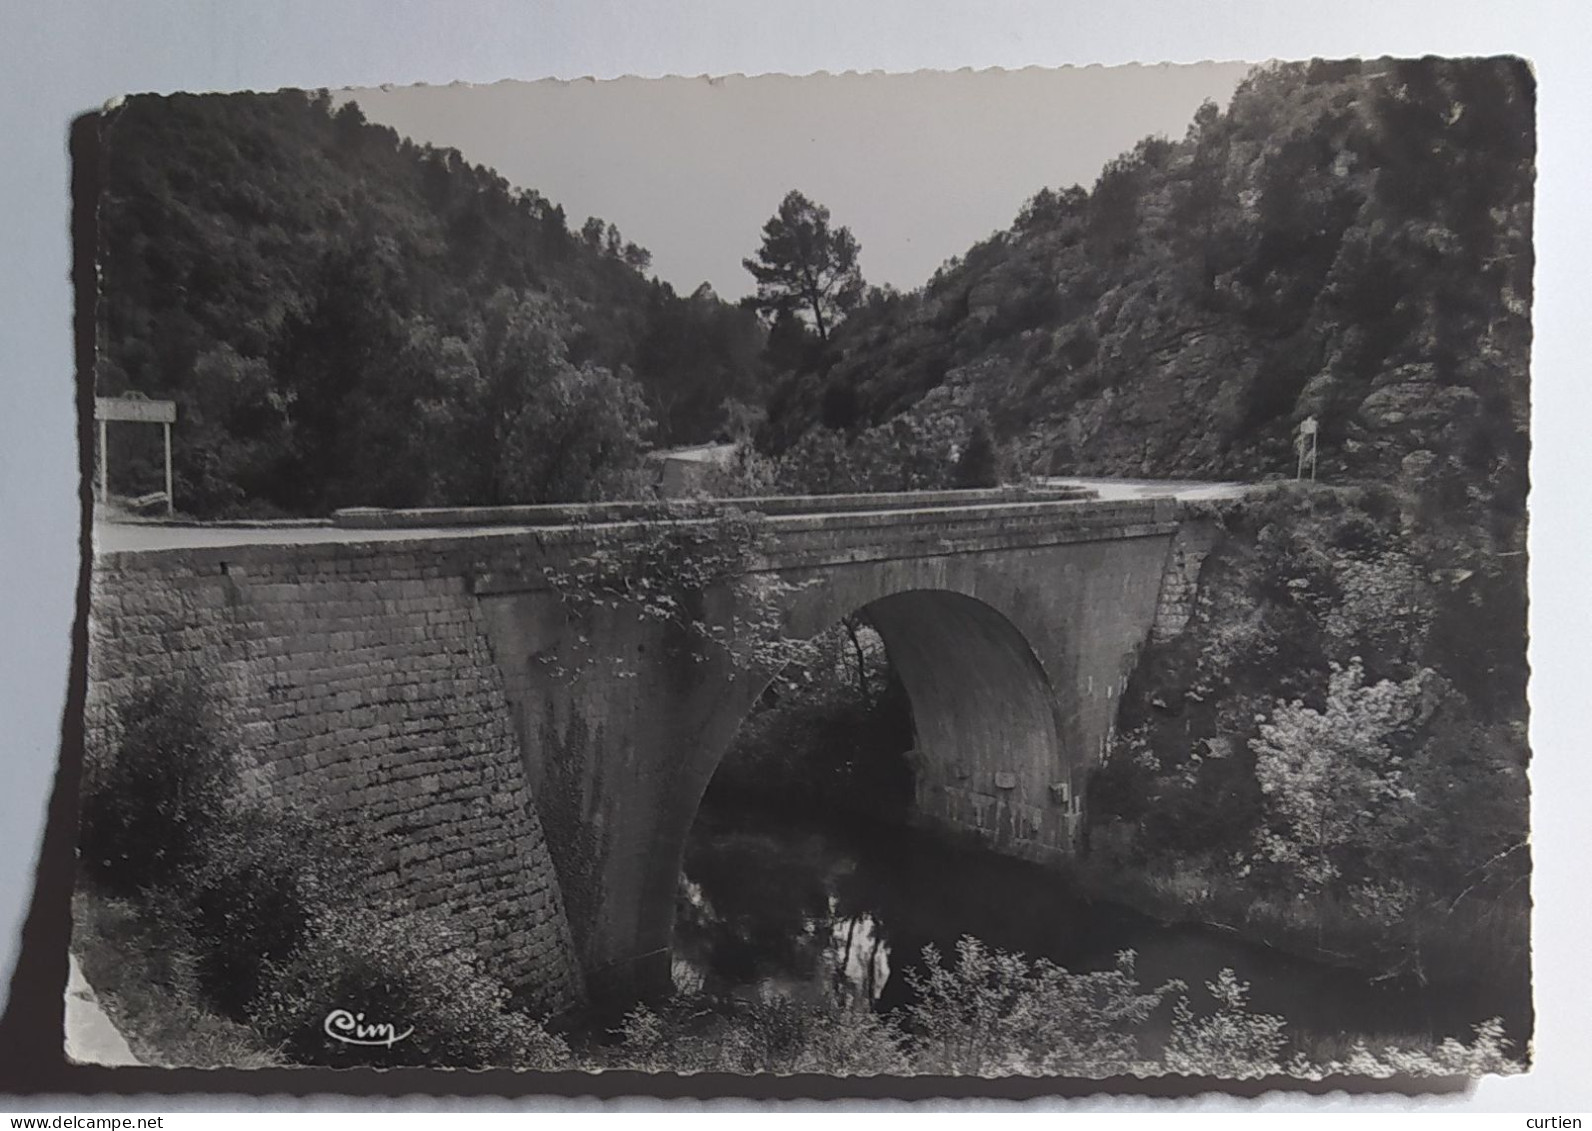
x=805, y=266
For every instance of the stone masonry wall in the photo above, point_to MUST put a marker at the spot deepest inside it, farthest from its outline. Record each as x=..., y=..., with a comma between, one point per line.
x=1180, y=581
x=362, y=689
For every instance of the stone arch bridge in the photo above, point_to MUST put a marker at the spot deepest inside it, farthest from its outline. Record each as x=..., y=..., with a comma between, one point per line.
x=531, y=771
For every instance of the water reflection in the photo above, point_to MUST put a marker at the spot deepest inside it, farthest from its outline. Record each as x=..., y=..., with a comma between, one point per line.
x=772, y=905
x=776, y=912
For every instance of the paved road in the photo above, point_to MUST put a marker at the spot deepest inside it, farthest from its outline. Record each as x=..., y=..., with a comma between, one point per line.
x=1115, y=489
x=110, y=537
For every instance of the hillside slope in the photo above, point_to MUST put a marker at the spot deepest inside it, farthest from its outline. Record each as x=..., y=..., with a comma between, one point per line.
x=1346, y=240
x=342, y=315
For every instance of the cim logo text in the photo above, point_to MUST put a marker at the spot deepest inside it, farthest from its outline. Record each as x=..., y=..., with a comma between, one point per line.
x=352, y=1029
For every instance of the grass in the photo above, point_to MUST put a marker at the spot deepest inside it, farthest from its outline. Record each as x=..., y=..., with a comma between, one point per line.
x=142, y=972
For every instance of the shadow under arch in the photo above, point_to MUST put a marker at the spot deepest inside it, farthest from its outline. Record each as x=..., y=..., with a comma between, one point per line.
x=983, y=711
x=988, y=746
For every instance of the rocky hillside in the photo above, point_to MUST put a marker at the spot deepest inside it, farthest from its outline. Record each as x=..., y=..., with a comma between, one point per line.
x=1345, y=240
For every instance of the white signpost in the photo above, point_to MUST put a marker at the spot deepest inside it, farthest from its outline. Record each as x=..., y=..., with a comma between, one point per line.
x=139, y=411
x=1305, y=445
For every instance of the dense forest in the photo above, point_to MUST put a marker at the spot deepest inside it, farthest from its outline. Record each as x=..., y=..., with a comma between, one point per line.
x=345, y=317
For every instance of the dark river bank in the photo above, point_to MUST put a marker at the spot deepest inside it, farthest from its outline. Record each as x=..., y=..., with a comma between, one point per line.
x=771, y=904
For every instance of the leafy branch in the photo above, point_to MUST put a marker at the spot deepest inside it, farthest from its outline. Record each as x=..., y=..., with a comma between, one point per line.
x=666, y=575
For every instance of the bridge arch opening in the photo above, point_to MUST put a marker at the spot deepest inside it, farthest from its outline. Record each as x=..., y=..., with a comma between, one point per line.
x=951, y=726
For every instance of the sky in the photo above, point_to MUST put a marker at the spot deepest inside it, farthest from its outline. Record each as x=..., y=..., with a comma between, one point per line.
x=919, y=166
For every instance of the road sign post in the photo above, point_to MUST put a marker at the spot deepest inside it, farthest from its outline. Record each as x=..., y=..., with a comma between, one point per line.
x=137, y=410
x=1305, y=445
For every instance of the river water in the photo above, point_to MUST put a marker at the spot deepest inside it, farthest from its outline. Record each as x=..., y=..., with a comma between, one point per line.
x=775, y=905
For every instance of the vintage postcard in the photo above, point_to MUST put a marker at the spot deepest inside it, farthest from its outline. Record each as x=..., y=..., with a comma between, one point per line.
x=955, y=575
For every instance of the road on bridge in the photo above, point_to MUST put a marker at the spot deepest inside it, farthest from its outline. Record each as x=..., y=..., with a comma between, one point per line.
x=1112, y=490
x=114, y=537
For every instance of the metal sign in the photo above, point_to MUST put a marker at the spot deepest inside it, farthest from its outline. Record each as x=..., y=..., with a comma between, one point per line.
x=138, y=411
x=135, y=409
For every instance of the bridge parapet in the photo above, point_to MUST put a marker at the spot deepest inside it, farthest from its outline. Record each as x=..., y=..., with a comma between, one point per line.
x=664, y=510
x=376, y=518
x=500, y=559
x=817, y=540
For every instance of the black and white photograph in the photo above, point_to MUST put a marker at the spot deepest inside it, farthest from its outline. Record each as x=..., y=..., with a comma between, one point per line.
x=945, y=574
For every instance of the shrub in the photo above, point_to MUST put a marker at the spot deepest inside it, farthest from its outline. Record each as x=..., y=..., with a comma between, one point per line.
x=978, y=464
x=1490, y=1053
x=748, y=473
x=995, y=1013
x=1232, y=1042
x=775, y=1034
x=780, y=1035
x=250, y=904
x=402, y=968
x=667, y=576
x=647, y=1043
x=909, y=453
x=148, y=810
x=1339, y=725
x=1333, y=779
x=261, y=907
